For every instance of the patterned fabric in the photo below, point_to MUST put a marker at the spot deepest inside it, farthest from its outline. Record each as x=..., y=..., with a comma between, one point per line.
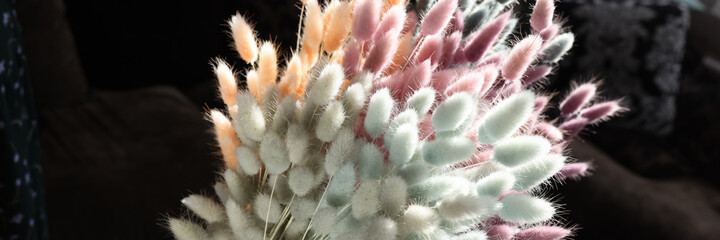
x=22, y=208
x=636, y=46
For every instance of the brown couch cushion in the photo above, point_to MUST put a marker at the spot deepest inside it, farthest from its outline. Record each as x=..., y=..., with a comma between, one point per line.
x=614, y=203
x=54, y=66
x=115, y=165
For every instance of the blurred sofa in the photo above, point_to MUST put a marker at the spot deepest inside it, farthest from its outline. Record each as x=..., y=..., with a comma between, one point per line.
x=121, y=89
x=115, y=161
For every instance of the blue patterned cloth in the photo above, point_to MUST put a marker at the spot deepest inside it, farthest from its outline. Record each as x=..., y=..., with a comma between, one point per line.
x=22, y=206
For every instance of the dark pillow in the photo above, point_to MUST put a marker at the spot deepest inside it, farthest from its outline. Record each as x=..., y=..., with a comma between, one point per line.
x=637, y=48
x=54, y=65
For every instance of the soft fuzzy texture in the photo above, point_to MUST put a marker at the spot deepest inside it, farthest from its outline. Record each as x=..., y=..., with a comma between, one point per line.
x=438, y=17
x=244, y=38
x=387, y=124
x=367, y=13
x=542, y=14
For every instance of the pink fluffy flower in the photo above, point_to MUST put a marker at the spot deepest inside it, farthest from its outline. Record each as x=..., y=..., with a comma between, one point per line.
x=392, y=21
x=382, y=53
x=438, y=17
x=365, y=19
x=577, y=99
x=542, y=233
x=430, y=49
x=521, y=56
x=542, y=14
x=481, y=41
x=600, y=111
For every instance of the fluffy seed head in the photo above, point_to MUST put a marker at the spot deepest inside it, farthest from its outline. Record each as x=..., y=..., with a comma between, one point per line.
x=330, y=121
x=184, y=229
x=303, y=208
x=431, y=48
x=414, y=78
x=382, y=52
x=366, y=200
x=365, y=19
x=238, y=186
x=313, y=25
x=239, y=220
x=226, y=81
x=293, y=76
x=248, y=160
x=226, y=138
x=392, y=21
x=470, y=83
x=560, y=45
x=521, y=56
x=341, y=150
x=548, y=131
x=273, y=153
x=578, y=98
x=549, y=32
x=296, y=228
x=600, y=111
x=327, y=85
x=267, y=66
x=341, y=186
x=205, y=208
x=451, y=45
x=438, y=17
x=284, y=114
x=382, y=228
x=297, y=140
x=267, y=208
x=447, y=151
x=393, y=196
x=514, y=151
x=495, y=184
x=324, y=220
x=301, y=180
x=542, y=14
x=524, y=209
x=501, y=232
x=405, y=117
x=419, y=220
x=535, y=73
x=572, y=127
x=339, y=21
x=574, y=170
x=403, y=144
x=534, y=173
x=254, y=85
x=473, y=235
x=414, y=173
x=353, y=100
x=351, y=58
x=542, y=233
x=481, y=42
x=371, y=162
x=379, y=110
x=506, y=117
x=454, y=111
x=462, y=207
x=251, y=117
x=421, y=101
x=438, y=187
x=244, y=37
x=222, y=191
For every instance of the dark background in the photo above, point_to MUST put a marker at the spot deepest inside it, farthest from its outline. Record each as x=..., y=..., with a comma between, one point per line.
x=121, y=88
